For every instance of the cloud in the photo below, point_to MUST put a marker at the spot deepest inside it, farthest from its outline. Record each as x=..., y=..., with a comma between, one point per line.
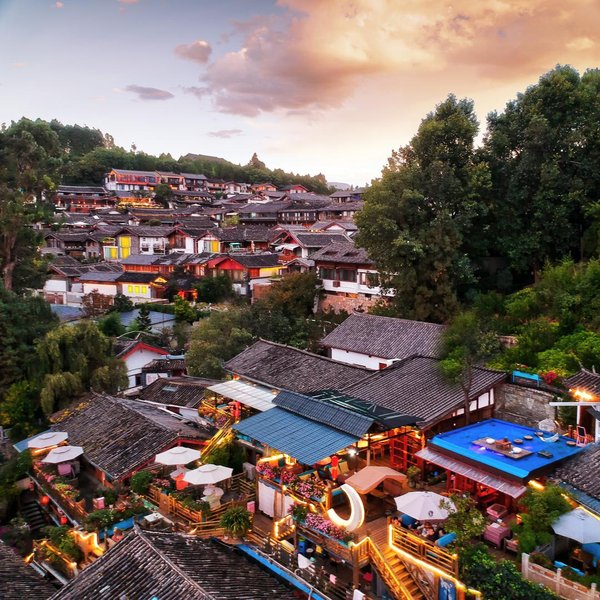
x=149, y=93
x=198, y=51
x=225, y=133
x=58, y=4
x=316, y=54
x=129, y=1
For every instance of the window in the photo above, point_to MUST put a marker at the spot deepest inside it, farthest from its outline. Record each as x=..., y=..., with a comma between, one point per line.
x=130, y=289
x=347, y=275
x=144, y=289
x=137, y=289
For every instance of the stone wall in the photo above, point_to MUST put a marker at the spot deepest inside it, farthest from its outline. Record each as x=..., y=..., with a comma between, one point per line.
x=338, y=302
x=523, y=405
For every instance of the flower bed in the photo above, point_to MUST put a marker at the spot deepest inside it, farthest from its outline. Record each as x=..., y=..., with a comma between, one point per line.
x=305, y=488
x=325, y=526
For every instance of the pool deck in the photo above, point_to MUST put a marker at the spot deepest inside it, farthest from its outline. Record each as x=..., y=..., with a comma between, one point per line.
x=461, y=444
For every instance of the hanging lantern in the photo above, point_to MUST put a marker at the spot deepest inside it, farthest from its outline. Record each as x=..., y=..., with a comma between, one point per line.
x=45, y=500
x=334, y=467
x=63, y=520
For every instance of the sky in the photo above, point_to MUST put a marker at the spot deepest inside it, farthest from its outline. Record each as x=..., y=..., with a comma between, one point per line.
x=312, y=86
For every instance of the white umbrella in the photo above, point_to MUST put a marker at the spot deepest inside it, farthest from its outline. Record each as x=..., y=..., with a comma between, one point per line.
x=179, y=455
x=423, y=506
x=208, y=474
x=45, y=440
x=578, y=525
x=62, y=454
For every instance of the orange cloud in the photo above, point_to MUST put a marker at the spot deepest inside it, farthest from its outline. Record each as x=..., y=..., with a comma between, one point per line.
x=319, y=54
x=198, y=51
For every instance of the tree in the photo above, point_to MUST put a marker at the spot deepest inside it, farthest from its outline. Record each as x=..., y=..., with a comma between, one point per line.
x=417, y=218
x=122, y=303
x=543, y=152
x=30, y=157
x=465, y=344
x=464, y=519
x=111, y=325
x=143, y=322
x=216, y=339
x=214, y=289
x=256, y=163
x=163, y=194
x=20, y=410
x=184, y=311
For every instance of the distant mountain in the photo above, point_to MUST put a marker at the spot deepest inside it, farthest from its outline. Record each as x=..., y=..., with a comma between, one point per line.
x=339, y=186
x=191, y=156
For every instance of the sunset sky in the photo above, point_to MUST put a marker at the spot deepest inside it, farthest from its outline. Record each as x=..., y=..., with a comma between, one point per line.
x=312, y=86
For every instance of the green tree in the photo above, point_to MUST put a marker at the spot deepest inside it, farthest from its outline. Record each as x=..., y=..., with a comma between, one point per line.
x=122, y=303
x=214, y=340
x=214, y=289
x=465, y=344
x=417, y=219
x=464, y=519
x=542, y=151
x=30, y=158
x=184, y=311
x=163, y=194
x=143, y=322
x=20, y=410
x=111, y=325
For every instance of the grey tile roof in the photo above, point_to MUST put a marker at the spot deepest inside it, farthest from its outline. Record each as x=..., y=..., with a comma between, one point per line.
x=291, y=369
x=416, y=386
x=319, y=240
x=582, y=471
x=172, y=566
x=587, y=380
x=342, y=252
x=119, y=435
x=322, y=412
x=81, y=189
x=385, y=337
x=176, y=391
x=99, y=276
x=136, y=277
x=19, y=581
x=243, y=233
x=251, y=261
x=165, y=365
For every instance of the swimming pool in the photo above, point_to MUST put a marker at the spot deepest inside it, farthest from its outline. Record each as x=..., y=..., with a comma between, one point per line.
x=460, y=442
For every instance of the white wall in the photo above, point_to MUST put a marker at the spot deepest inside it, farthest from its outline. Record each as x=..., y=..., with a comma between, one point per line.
x=138, y=359
x=56, y=285
x=108, y=289
x=189, y=245
x=124, y=288
x=355, y=358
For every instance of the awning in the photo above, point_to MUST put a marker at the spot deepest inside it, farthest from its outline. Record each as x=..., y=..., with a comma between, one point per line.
x=254, y=396
x=370, y=477
x=305, y=440
x=515, y=490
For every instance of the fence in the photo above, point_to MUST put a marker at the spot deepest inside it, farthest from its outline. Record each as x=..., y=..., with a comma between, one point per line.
x=553, y=580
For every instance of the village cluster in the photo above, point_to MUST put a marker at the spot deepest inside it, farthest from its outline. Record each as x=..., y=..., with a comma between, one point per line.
x=342, y=475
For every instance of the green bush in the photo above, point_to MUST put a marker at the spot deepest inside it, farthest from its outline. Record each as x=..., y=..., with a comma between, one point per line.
x=140, y=482
x=237, y=521
x=101, y=519
x=62, y=539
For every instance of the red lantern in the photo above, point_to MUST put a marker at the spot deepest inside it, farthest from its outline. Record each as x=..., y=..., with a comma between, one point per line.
x=63, y=520
x=334, y=467
x=45, y=500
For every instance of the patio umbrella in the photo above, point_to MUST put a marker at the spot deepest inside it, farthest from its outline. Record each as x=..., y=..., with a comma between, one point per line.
x=578, y=525
x=179, y=455
x=62, y=454
x=423, y=506
x=207, y=474
x=45, y=440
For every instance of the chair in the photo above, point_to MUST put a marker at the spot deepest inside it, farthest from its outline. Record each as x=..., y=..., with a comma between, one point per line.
x=65, y=470
x=407, y=521
x=581, y=438
x=445, y=540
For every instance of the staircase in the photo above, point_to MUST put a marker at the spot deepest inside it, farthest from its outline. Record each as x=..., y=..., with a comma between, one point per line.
x=218, y=439
x=32, y=512
x=392, y=569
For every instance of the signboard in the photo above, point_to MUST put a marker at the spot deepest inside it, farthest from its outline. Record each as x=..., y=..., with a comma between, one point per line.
x=446, y=589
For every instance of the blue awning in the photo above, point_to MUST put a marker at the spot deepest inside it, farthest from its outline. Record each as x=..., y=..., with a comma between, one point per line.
x=305, y=440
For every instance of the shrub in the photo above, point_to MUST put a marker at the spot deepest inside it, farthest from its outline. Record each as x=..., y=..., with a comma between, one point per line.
x=237, y=521
x=140, y=482
x=62, y=539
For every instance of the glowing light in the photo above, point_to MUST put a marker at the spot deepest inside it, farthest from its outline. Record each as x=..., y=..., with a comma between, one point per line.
x=357, y=510
x=352, y=452
x=536, y=485
x=583, y=395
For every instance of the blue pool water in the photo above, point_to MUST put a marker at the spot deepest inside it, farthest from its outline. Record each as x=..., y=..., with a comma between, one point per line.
x=460, y=442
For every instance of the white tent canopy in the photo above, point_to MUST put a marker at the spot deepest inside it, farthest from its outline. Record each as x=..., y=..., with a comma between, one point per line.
x=578, y=525
x=180, y=455
x=370, y=477
x=62, y=454
x=423, y=506
x=255, y=396
x=207, y=474
x=45, y=440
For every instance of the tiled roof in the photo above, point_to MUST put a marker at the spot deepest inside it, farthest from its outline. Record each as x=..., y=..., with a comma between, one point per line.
x=176, y=391
x=251, y=261
x=416, y=386
x=172, y=566
x=292, y=369
x=385, y=337
x=319, y=240
x=135, y=277
x=316, y=410
x=342, y=252
x=267, y=208
x=586, y=380
x=165, y=365
x=93, y=276
x=19, y=581
x=244, y=233
x=80, y=189
x=118, y=435
x=582, y=471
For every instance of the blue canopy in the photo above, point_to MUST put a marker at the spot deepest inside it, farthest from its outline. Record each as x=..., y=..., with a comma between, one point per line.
x=305, y=440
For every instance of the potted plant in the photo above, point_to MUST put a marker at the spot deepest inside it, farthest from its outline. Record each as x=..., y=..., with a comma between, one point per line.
x=140, y=482
x=413, y=473
x=236, y=521
x=299, y=512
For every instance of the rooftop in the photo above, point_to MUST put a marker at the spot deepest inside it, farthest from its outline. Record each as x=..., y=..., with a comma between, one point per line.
x=176, y=391
x=585, y=380
x=171, y=566
x=19, y=581
x=296, y=370
x=342, y=252
x=416, y=386
x=460, y=443
x=582, y=471
x=385, y=337
x=118, y=435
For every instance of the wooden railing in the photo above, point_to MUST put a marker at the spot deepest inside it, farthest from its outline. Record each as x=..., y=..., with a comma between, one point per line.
x=389, y=576
x=45, y=552
x=421, y=580
x=333, y=546
x=74, y=510
x=430, y=553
